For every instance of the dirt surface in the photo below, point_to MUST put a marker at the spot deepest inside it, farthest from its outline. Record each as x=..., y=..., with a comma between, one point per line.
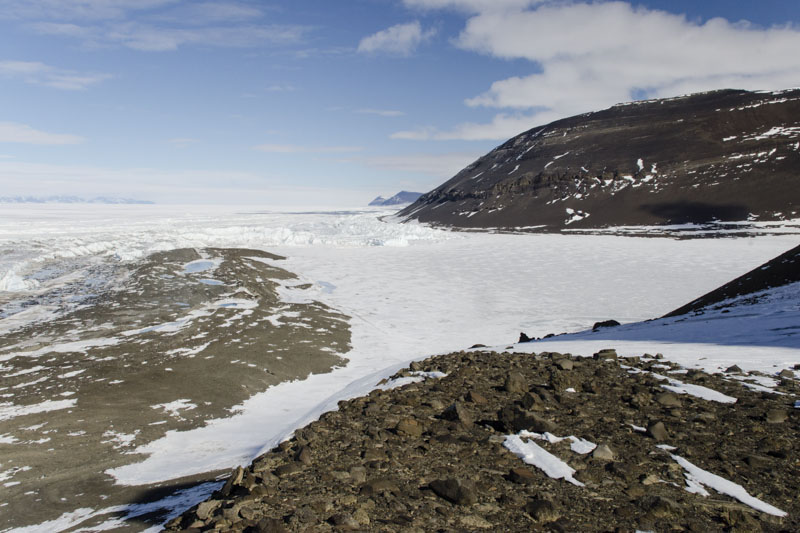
x=432, y=455
x=176, y=340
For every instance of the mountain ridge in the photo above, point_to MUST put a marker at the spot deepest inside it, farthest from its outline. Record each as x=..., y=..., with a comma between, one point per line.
x=403, y=197
x=716, y=156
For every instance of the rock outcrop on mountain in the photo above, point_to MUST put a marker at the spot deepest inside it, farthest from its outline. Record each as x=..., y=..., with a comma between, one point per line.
x=403, y=197
x=782, y=270
x=726, y=155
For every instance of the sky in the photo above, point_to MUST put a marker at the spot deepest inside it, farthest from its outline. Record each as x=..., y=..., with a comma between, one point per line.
x=316, y=102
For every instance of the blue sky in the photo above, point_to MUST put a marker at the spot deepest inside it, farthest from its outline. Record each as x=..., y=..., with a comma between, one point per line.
x=331, y=103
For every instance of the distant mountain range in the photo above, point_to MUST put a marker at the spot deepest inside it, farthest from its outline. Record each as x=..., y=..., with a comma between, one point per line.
x=716, y=156
x=68, y=200
x=403, y=197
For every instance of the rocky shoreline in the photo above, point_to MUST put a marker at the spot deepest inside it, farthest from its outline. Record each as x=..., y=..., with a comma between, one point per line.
x=609, y=444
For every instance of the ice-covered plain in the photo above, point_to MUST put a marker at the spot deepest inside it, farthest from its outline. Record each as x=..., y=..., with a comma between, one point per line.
x=409, y=290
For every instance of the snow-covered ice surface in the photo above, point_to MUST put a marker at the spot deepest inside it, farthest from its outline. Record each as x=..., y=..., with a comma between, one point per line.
x=759, y=332
x=533, y=454
x=410, y=290
x=697, y=478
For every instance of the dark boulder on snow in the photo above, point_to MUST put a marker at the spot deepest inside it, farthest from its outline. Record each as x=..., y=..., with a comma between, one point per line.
x=605, y=324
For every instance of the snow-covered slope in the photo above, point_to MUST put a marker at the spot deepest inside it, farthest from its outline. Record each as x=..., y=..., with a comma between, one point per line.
x=724, y=155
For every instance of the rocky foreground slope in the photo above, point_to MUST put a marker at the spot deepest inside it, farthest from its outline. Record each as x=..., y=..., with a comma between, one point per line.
x=643, y=452
x=725, y=155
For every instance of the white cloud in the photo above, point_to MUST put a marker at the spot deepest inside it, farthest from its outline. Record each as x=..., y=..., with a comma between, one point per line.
x=501, y=127
x=152, y=25
x=151, y=38
x=589, y=56
x=299, y=149
x=12, y=132
x=37, y=73
x=440, y=166
x=401, y=39
x=471, y=6
x=381, y=112
x=75, y=9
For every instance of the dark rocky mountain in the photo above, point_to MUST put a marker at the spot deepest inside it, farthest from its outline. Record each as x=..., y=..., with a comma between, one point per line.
x=403, y=197
x=726, y=155
x=782, y=270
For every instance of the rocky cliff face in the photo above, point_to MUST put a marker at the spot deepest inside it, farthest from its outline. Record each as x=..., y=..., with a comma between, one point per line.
x=725, y=155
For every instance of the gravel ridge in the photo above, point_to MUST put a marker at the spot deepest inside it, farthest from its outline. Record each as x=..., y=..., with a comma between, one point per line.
x=433, y=455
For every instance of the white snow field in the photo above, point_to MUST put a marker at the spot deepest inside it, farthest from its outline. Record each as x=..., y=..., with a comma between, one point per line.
x=410, y=290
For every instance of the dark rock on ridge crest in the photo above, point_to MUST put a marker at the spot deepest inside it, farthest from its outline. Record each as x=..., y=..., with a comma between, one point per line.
x=726, y=155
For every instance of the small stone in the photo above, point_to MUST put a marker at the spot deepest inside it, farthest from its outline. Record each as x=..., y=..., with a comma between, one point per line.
x=473, y=521
x=786, y=373
x=603, y=453
x=234, y=480
x=522, y=476
x=668, y=399
x=344, y=522
x=476, y=398
x=657, y=431
x=458, y=491
x=410, y=427
x=378, y=486
x=661, y=507
x=358, y=474
x=270, y=525
x=205, y=509
x=606, y=353
x=758, y=462
x=361, y=516
x=565, y=364
x=515, y=382
x=532, y=401
x=288, y=469
x=458, y=413
x=733, y=370
x=303, y=455
x=605, y=324
x=776, y=416
x=542, y=510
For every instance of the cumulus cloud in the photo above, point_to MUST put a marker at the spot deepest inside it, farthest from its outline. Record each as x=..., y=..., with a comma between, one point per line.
x=300, y=149
x=588, y=56
x=401, y=39
x=13, y=132
x=37, y=73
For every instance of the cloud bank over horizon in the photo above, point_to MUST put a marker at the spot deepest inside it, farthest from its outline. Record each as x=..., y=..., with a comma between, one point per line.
x=589, y=56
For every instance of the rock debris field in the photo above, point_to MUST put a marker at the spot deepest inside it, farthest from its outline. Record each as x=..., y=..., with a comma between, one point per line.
x=491, y=441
